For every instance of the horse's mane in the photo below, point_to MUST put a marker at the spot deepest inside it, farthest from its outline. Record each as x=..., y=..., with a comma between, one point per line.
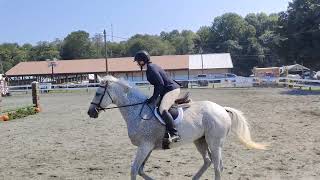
x=122, y=82
x=108, y=78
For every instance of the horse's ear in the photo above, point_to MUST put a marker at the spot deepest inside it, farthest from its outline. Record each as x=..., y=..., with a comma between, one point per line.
x=126, y=89
x=126, y=86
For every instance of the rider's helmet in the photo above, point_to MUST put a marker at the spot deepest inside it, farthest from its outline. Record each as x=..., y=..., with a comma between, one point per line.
x=142, y=56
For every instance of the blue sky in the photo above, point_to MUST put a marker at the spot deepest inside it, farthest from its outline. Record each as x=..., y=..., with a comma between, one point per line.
x=30, y=21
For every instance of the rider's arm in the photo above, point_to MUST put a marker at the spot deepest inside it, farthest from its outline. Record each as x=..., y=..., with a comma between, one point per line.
x=158, y=85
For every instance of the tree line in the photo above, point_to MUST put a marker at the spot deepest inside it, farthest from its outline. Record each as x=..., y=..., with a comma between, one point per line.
x=259, y=40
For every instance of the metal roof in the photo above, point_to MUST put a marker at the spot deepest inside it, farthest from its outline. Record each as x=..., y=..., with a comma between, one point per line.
x=125, y=64
x=210, y=61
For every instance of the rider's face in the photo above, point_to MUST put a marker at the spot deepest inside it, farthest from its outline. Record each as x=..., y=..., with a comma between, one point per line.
x=141, y=63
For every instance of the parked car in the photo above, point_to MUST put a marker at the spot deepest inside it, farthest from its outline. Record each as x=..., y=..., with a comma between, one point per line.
x=202, y=76
x=294, y=76
x=222, y=75
x=202, y=80
x=230, y=75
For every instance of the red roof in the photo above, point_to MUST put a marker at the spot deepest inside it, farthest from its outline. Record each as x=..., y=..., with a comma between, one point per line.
x=126, y=64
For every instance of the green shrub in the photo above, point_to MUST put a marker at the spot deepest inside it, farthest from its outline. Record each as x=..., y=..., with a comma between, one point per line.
x=22, y=112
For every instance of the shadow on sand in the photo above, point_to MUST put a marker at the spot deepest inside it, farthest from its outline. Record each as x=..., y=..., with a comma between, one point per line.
x=299, y=92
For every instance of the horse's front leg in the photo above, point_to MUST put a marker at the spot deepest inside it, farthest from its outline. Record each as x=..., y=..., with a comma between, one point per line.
x=141, y=171
x=141, y=156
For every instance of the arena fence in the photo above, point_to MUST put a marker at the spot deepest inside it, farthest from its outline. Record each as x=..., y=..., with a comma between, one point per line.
x=239, y=82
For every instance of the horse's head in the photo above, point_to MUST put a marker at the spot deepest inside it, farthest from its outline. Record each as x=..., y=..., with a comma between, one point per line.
x=107, y=93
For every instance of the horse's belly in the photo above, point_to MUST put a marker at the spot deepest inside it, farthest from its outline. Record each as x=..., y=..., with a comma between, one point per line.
x=190, y=130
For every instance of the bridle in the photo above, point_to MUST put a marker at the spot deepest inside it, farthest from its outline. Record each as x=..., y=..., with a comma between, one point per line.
x=99, y=108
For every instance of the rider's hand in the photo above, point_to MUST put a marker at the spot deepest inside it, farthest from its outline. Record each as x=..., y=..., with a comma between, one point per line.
x=148, y=101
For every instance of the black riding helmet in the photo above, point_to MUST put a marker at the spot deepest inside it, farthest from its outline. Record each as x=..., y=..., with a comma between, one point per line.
x=142, y=56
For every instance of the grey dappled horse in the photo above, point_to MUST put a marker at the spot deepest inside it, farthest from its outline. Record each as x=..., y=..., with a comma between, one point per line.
x=205, y=124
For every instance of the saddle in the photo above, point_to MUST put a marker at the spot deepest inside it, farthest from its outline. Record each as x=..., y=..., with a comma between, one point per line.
x=181, y=102
x=185, y=99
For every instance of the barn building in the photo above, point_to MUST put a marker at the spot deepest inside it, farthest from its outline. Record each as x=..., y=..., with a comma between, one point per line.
x=179, y=67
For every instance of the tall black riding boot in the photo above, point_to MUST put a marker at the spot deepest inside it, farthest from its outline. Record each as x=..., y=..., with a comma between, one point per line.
x=174, y=137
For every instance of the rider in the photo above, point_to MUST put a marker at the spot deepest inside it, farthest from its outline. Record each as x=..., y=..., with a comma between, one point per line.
x=164, y=86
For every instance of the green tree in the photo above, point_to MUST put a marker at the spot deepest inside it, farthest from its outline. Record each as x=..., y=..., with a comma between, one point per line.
x=262, y=22
x=43, y=51
x=153, y=44
x=300, y=33
x=230, y=26
x=202, y=40
x=231, y=33
x=97, y=46
x=117, y=49
x=183, y=43
x=76, y=45
x=10, y=55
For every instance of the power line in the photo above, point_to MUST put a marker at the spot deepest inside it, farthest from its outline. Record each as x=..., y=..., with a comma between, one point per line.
x=252, y=55
x=124, y=38
x=119, y=37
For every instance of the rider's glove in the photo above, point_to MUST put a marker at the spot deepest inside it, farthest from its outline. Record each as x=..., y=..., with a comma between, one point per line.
x=148, y=101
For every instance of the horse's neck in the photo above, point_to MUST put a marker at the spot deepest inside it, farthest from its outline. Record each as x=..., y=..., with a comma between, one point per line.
x=131, y=114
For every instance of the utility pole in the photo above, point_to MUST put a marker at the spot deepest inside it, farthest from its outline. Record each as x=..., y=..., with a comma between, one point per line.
x=201, y=60
x=111, y=32
x=105, y=49
x=1, y=64
x=302, y=73
x=52, y=75
x=111, y=39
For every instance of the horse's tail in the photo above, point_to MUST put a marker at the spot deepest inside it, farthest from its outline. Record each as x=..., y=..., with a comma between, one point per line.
x=241, y=128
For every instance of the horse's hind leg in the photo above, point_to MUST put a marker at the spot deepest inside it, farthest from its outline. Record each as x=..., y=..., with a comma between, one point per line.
x=202, y=147
x=215, y=146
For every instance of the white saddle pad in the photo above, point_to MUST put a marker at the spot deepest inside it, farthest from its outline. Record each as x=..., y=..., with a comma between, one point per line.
x=176, y=121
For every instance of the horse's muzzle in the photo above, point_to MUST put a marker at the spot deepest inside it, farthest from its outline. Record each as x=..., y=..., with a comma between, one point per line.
x=93, y=113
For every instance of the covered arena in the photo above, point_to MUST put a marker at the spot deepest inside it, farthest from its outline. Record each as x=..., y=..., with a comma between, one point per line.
x=62, y=142
x=179, y=67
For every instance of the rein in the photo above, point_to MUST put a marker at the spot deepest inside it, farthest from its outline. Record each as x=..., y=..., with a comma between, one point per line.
x=99, y=108
x=118, y=107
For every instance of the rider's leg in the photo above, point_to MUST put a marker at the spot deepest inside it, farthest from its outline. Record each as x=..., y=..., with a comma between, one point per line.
x=167, y=101
x=174, y=136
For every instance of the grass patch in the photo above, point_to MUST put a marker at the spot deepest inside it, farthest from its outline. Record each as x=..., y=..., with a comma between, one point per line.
x=21, y=112
x=15, y=108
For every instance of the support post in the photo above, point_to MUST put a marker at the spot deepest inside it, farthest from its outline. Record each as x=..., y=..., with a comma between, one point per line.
x=35, y=95
x=105, y=50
